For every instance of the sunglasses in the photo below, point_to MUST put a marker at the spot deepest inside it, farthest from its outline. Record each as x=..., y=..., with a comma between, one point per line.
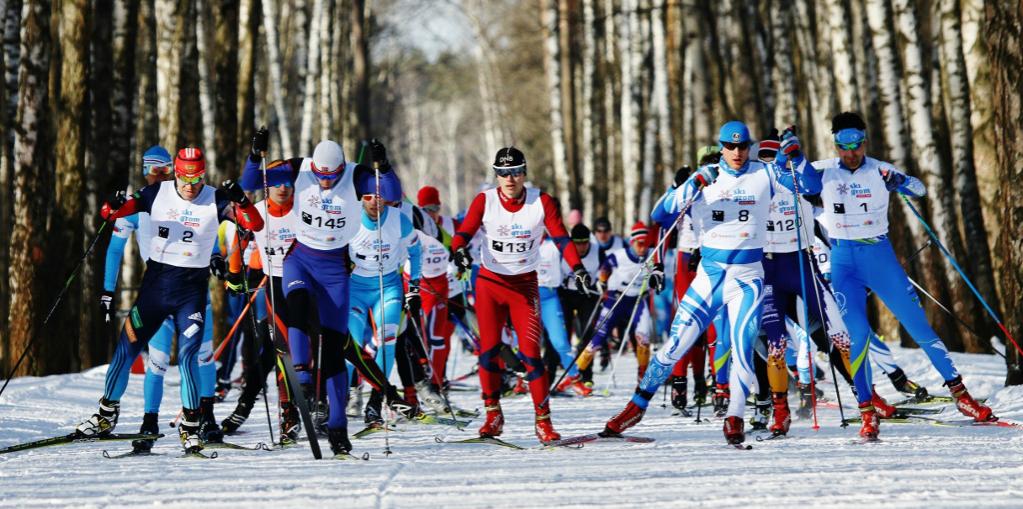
x=285, y=184
x=431, y=208
x=513, y=171
x=735, y=146
x=190, y=180
x=158, y=170
x=849, y=146
x=603, y=231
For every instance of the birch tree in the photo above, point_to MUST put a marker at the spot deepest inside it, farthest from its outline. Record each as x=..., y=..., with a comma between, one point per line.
x=842, y=57
x=630, y=108
x=552, y=69
x=309, y=94
x=275, y=85
x=169, y=46
x=587, y=153
x=206, y=114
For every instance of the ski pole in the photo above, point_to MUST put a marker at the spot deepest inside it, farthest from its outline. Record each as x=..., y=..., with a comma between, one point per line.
x=241, y=316
x=962, y=274
x=262, y=372
x=625, y=337
x=380, y=278
x=949, y=312
x=60, y=296
x=802, y=282
x=415, y=326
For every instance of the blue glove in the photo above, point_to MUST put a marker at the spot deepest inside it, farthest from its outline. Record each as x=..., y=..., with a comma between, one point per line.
x=790, y=147
x=892, y=179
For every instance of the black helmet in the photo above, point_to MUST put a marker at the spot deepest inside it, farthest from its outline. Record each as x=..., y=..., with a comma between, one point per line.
x=509, y=158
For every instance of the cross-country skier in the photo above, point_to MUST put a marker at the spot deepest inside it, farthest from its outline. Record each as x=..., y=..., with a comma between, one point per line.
x=184, y=214
x=557, y=349
x=512, y=220
x=730, y=204
x=856, y=190
x=579, y=306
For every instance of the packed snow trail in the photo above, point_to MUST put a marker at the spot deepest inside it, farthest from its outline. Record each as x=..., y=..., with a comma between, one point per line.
x=914, y=465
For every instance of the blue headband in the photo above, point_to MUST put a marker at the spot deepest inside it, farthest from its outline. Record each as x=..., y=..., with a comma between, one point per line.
x=850, y=135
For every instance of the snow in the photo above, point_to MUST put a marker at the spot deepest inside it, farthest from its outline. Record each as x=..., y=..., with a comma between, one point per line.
x=915, y=465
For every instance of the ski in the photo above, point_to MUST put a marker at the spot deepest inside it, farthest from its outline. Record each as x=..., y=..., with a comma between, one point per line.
x=291, y=379
x=237, y=447
x=75, y=438
x=198, y=455
x=349, y=456
x=741, y=447
x=130, y=454
x=373, y=428
x=437, y=419
x=597, y=437
x=682, y=412
x=931, y=400
x=998, y=423
x=481, y=440
x=918, y=411
x=772, y=436
x=865, y=440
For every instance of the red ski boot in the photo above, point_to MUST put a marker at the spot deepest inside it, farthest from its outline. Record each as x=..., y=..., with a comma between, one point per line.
x=871, y=424
x=881, y=407
x=624, y=420
x=782, y=416
x=966, y=404
x=733, y=430
x=575, y=384
x=494, y=423
x=544, y=429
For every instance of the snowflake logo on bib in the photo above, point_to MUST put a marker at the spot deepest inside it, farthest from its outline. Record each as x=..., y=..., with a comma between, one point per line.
x=504, y=230
x=725, y=195
x=314, y=201
x=173, y=214
x=774, y=207
x=843, y=189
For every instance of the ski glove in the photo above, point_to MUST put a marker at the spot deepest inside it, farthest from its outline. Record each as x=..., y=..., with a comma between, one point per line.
x=260, y=142
x=892, y=179
x=681, y=176
x=790, y=146
x=657, y=277
x=235, y=283
x=706, y=175
x=694, y=260
x=378, y=152
x=112, y=203
x=106, y=306
x=218, y=267
x=462, y=259
x=235, y=193
x=583, y=279
x=413, y=302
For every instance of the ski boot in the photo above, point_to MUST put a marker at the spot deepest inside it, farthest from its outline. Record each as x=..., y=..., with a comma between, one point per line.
x=319, y=412
x=188, y=431
x=354, y=402
x=398, y=405
x=223, y=387
x=544, y=429
x=574, y=383
x=805, y=401
x=733, y=430
x=372, y=416
x=493, y=425
x=627, y=418
x=102, y=422
x=150, y=426
x=209, y=431
x=340, y=445
x=699, y=391
x=291, y=423
x=881, y=407
x=430, y=397
x=678, y=392
x=871, y=424
x=966, y=404
x=761, y=415
x=782, y=417
x=721, y=397
x=520, y=386
x=907, y=386
x=237, y=418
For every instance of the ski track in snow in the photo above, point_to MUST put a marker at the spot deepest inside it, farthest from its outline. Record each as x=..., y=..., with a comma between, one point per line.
x=915, y=465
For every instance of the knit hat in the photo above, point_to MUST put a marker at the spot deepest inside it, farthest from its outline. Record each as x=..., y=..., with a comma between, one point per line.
x=155, y=157
x=639, y=231
x=428, y=195
x=580, y=233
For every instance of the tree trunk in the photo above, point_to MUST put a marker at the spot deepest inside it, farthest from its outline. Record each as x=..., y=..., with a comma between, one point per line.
x=10, y=20
x=587, y=152
x=169, y=58
x=275, y=83
x=32, y=185
x=360, y=70
x=1005, y=49
x=816, y=66
x=207, y=113
x=312, y=73
x=610, y=93
x=326, y=73
x=843, y=63
x=225, y=82
x=631, y=109
x=783, y=72
x=552, y=68
x=564, y=34
x=660, y=104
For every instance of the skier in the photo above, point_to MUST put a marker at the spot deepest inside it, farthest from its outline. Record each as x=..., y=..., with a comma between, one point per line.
x=513, y=221
x=730, y=204
x=631, y=316
x=855, y=196
x=579, y=306
x=185, y=214
x=607, y=241
x=557, y=349
x=428, y=199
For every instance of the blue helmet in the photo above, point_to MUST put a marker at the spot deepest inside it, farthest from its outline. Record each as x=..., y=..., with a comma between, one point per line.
x=156, y=157
x=734, y=132
x=390, y=185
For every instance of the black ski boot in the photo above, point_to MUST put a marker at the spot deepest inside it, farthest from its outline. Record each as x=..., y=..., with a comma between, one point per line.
x=805, y=402
x=678, y=392
x=237, y=418
x=188, y=431
x=150, y=426
x=209, y=431
x=291, y=423
x=721, y=400
x=907, y=386
x=761, y=416
x=102, y=422
x=373, y=417
x=699, y=390
x=223, y=387
x=339, y=443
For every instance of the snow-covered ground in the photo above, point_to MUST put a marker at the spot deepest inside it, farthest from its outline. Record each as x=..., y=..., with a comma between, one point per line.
x=915, y=465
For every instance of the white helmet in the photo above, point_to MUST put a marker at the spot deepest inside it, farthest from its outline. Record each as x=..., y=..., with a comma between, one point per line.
x=328, y=160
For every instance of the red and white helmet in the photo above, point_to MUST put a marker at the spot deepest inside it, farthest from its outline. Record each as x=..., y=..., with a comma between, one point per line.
x=328, y=160
x=190, y=163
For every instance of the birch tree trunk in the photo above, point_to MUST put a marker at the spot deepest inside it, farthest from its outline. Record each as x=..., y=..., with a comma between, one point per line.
x=645, y=74
x=661, y=105
x=783, y=71
x=207, y=115
x=1005, y=48
x=632, y=97
x=224, y=63
x=609, y=65
x=11, y=36
x=326, y=72
x=169, y=57
x=978, y=258
x=147, y=128
x=32, y=185
x=552, y=68
x=276, y=77
x=587, y=152
x=564, y=35
x=843, y=62
x=248, y=21
x=309, y=97
x=360, y=69
x=816, y=66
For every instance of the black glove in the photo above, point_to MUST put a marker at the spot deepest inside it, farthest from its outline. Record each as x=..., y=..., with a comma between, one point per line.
x=583, y=279
x=260, y=142
x=462, y=259
x=681, y=176
x=694, y=261
x=235, y=193
x=657, y=277
x=218, y=267
x=245, y=234
x=378, y=153
x=112, y=203
x=413, y=302
x=255, y=278
x=235, y=283
x=106, y=306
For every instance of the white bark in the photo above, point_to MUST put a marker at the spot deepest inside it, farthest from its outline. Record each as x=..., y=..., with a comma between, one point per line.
x=168, y=71
x=888, y=84
x=587, y=154
x=208, y=114
x=630, y=107
x=612, y=140
x=816, y=65
x=312, y=72
x=661, y=105
x=552, y=67
x=981, y=114
x=275, y=83
x=783, y=71
x=326, y=72
x=843, y=61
